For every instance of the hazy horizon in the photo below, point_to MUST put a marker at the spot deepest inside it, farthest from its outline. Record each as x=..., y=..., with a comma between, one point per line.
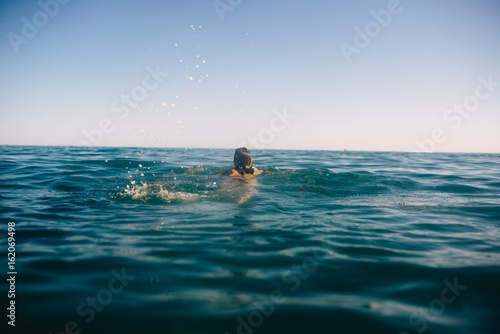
x=232, y=148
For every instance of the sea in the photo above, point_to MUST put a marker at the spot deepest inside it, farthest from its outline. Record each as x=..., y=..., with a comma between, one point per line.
x=151, y=240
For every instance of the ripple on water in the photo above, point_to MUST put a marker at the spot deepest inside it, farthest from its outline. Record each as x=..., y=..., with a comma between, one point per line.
x=355, y=242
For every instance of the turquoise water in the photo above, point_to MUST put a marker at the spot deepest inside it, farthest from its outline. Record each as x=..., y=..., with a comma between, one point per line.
x=127, y=240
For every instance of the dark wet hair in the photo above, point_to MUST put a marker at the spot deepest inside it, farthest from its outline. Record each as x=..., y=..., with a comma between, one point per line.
x=243, y=160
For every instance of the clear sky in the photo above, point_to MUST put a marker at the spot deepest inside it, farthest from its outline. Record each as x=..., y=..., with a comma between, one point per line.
x=323, y=74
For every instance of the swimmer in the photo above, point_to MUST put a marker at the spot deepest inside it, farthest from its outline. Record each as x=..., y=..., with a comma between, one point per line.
x=242, y=165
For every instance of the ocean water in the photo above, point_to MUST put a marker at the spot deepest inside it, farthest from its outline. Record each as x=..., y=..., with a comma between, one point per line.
x=140, y=240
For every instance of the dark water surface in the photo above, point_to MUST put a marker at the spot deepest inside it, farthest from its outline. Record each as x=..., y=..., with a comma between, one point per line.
x=127, y=240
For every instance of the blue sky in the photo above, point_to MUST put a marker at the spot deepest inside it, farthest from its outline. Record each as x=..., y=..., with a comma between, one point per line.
x=425, y=75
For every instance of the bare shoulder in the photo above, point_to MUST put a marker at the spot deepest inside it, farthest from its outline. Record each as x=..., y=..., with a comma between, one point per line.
x=230, y=172
x=257, y=171
x=234, y=173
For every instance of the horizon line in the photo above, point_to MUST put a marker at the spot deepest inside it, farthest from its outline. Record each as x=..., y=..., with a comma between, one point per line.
x=232, y=148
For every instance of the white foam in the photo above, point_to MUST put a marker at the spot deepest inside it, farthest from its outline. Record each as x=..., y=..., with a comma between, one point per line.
x=145, y=192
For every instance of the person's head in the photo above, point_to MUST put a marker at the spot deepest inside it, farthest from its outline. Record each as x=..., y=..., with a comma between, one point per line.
x=242, y=158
